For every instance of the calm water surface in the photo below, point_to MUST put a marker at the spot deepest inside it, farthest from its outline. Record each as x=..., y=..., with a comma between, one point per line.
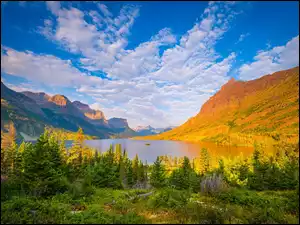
x=171, y=148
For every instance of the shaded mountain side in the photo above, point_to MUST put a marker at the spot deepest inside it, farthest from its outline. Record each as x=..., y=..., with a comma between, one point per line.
x=243, y=111
x=121, y=128
x=31, y=112
x=57, y=111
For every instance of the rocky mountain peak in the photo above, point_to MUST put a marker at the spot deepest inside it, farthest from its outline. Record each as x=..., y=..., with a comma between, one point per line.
x=60, y=100
x=95, y=115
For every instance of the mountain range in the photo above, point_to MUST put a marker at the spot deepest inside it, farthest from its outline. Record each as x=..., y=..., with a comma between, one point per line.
x=31, y=112
x=239, y=113
x=148, y=130
x=244, y=111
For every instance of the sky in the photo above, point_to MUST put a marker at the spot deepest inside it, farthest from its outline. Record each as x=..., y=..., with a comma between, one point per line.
x=153, y=63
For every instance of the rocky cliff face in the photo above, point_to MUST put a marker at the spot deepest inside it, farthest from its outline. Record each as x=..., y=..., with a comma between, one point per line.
x=94, y=116
x=60, y=100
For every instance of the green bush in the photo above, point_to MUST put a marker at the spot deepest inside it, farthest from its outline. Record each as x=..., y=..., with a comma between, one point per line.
x=169, y=198
x=80, y=188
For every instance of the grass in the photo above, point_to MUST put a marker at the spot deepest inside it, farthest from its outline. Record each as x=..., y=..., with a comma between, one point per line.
x=163, y=206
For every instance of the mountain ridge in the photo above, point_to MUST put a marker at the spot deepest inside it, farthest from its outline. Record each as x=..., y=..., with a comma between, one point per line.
x=31, y=112
x=244, y=111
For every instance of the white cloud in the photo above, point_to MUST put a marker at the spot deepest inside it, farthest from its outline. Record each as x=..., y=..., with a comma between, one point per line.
x=242, y=37
x=53, y=6
x=105, y=39
x=270, y=61
x=104, y=10
x=46, y=69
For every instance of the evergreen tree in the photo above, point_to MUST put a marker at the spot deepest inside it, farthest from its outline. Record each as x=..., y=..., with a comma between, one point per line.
x=135, y=168
x=142, y=177
x=129, y=173
x=76, y=151
x=109, y=156
x=221, y=167
x=158, y=174
x=118, y=153
x=204, y=160
x=183, y=177
x=42, y=166
x=9, y=149
x=19, y=160
x=122, y=172
x=96, y=157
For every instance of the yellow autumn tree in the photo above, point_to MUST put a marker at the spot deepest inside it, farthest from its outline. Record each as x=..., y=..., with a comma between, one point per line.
x=8, y=148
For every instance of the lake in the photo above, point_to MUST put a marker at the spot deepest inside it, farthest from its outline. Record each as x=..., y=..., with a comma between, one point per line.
x=172, y=148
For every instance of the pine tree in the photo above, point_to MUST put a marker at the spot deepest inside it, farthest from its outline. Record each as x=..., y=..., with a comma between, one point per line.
x=146, y=172
x=43, y=166
x=118, y=153
x=122, y=172
x=19, y=160
x=63, y=150
x=10, y=149
x=135, y=168
x=158, y=174
x=141, y=172
x=204, y=160
x=76, y=151
x=129, y=173
x=96, y=157
x=110, y=155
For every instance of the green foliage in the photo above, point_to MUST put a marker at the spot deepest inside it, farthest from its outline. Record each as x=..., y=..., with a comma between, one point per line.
x=57, y=179
x=204, y=160
x=169, y=198
x=185, y=177
x=104, y=175
x=158, y=174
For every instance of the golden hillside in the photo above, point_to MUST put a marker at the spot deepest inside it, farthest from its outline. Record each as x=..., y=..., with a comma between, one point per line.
x=265, y=109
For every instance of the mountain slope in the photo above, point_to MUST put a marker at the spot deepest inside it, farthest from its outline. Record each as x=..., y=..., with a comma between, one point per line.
x=243, y=111
x=121, y=128
x=31, y=112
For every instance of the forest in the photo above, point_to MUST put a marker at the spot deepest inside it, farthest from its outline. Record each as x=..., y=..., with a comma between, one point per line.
x=47, y=183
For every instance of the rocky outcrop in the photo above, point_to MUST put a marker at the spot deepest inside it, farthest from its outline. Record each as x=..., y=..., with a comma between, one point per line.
x=118, y=123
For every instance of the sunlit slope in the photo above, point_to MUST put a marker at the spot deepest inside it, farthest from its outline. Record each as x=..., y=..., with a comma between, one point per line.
x=264, y=109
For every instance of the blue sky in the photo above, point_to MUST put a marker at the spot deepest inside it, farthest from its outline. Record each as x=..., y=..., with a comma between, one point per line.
x=153, y=63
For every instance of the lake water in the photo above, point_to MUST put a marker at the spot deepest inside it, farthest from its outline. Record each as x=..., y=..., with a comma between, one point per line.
x=172, y=148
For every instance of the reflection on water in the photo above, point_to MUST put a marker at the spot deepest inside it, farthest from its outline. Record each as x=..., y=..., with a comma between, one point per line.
x=172, y=148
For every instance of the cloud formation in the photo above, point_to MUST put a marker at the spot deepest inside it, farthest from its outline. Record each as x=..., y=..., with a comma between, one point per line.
x=242, y=37
x=270, y=61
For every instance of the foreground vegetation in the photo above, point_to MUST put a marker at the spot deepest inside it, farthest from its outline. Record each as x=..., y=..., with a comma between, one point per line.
x=47, y=183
